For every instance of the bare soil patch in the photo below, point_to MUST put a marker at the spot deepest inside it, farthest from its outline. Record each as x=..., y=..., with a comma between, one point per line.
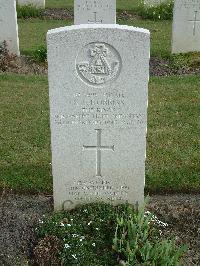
x=68, y=14
x=19, y=214
x=22, y=65
x=58, y=13
x=26, y=65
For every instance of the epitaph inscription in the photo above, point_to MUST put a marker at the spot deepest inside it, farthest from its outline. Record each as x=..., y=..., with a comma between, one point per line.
x=189, y=4
x=95, y=108
x=101, y=188
x=98, y=63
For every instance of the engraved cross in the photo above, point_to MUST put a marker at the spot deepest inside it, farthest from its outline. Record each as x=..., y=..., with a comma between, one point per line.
x=95, y=19
x=195, y=20
x=98, y=148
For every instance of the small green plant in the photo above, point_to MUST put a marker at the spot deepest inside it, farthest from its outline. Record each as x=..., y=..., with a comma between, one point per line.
x=187, y=60
x=5, y=57
x=85, y=236
x=164, y=11
x=28, y=11
x=100, y=234
x=40, y=54
x=138, y=242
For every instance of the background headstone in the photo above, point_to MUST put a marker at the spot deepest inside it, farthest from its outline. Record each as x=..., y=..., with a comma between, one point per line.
x=36, y=3
x=94, y=11
x=186, y=26
x=8, y=25
x=98, y=80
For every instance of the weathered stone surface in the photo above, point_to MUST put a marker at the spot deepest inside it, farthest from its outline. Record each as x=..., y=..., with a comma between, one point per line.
x=186, y=26
x=98, y=79
x=36, y=3
x=92, y=11
x=8, y=25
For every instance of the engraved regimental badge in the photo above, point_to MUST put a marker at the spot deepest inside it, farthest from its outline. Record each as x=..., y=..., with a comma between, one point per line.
x=98, y=63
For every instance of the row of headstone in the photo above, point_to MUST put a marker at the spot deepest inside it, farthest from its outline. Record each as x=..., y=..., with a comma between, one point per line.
x=186, y=22
x=36, y=3
x=186, y=19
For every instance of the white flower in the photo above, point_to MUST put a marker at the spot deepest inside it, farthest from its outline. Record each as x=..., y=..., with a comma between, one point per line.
x=155, y=219
x=74, y=256
x=81, y=238
x=62, y=224
x=69, y=225
x=67, y=246
x=90, y=223
x=93, y=244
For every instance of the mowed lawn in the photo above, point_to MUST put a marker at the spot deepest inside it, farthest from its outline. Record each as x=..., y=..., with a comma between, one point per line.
x=173, y=134
x=32, y=33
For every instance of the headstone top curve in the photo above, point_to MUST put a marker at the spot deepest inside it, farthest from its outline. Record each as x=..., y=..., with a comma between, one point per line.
x=98, y=26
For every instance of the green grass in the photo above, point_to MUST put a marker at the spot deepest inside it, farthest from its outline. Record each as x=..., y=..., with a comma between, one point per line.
x=160, y=37
x=173, y=136
x=121, y=4
x=25, y=137
x=32, y=33
x=37, y=29
x=173, y=133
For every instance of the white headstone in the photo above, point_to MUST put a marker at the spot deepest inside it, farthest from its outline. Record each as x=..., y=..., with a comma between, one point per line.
x=98, y=82
x=8, y=25
x=36, y=3
x=94, y=12
x=186, y=26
